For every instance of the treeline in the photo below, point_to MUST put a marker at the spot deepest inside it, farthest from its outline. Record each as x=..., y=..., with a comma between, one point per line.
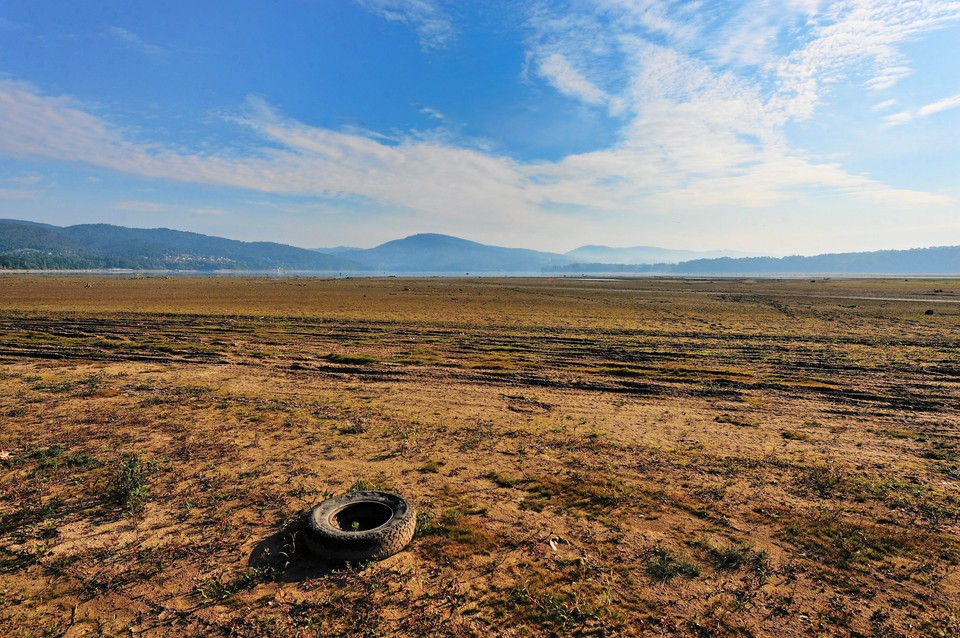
x=31, y=246
x=938, y=260
x=80, y=262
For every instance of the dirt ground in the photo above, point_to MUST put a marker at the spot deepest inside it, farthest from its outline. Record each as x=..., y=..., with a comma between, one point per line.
x=647, y=457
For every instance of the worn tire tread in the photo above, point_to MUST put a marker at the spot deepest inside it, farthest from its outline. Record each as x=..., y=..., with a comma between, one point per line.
x=330, y=543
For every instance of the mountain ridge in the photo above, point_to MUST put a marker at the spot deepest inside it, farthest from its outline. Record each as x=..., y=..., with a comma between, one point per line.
x=31, y=245
x=434, y=252
x=28, y=245
x=644, y=254
x=935, y=260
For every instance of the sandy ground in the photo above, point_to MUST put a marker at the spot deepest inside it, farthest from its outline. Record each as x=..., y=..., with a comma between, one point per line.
x=636, y=457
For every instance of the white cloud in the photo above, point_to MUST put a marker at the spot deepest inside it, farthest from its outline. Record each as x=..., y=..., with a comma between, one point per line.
x=432, y=24
x=134, y=41
x=751, y=35
x=887, y=77
x=432, y=113
x=558, y=71
x=704, y=130
x=883, y=106
x=897, y=118
x=697, y=140
x=945, y=104
x=903, y=117
x=857, y=37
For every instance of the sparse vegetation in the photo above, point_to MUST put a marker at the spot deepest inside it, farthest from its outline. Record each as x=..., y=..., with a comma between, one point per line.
x=127, y=486
x=746, y=459
x=663, y=565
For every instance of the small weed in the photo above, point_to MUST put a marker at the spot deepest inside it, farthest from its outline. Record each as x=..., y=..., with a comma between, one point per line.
x=823, y=480
x=455, y=528
x=482, y=433
x=128, y=484
x=736, y=556
x=354, y=426
x=663, y=566
x=53, y=458
x=561, y=611
x=377, y=483
x=44, y=454
x=216, y=588
x=500, y=480
x=430, y=467
x=426, y=523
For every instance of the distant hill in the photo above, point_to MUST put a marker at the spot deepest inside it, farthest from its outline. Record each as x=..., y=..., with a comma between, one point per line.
x=28, y=245
x=432, y=253
x=336, y=250
x=642, y=255
x=937, y=260
x=943, y=260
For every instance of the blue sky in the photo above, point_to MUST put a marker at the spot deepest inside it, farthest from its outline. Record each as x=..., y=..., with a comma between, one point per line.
x=764, y=126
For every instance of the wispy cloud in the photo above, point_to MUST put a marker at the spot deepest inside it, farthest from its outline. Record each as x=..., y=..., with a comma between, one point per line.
x=17, y=193
x=903, y=117
x=24, y=187
x=715, y=149
x=433, y=113
x=945, y=104
x=861, y=38
x=26, y=180
x=134, y=41
x=709, y=95
x=883, y=106
x=433, y=25
x=138, y=206
x=559, y=72
x=897, y=118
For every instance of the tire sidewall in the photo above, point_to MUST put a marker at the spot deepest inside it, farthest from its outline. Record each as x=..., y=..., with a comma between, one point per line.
x=329, y=542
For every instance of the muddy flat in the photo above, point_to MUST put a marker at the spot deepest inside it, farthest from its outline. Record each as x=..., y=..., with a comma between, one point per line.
x=648, y=457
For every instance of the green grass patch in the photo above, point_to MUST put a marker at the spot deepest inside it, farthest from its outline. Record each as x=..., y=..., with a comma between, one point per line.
x=430, y=467
x=892, y=433
x=663, y=565
x=127, y=486
x=831, y=538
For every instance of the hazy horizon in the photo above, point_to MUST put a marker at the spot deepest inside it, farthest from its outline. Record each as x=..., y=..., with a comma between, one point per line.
x=795, y=128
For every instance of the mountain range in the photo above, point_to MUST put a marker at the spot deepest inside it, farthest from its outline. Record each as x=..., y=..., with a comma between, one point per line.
x=643, y=255
x=31, y=245
x=28, y=245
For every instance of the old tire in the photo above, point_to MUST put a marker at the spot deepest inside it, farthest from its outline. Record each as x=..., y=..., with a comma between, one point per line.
x=361, y=526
